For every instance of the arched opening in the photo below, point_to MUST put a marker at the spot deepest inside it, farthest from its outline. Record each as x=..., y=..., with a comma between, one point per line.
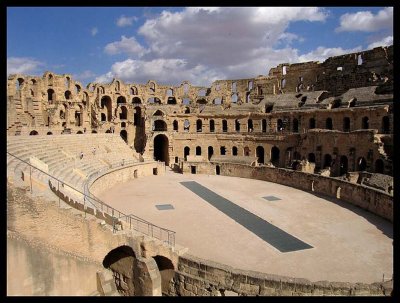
x=106, y=102
x=199, y=126
x=201, y=101
x=136, y=100
x=186, y=101
x=161, y=149
x=327, y=160
x=171, y=100
x=234, y=98
x=222, y=150
x=295, y=125
x=379, y=166
x=108, y=131
x=361, y=164
x=120, y=261
x=343, y=165
x=328, y=123
x=32, y=92
x=167, y=272
x=94, y=131
x=67, y=95
x=275, y=155
x=264, y=125
x=260, y=154
x=133, y=90
x=224, y=126
x=78, y=119
x=49, y=133
x=279, y=125
x=158, y=113
x=135, y=173
x=217, y=101
x=217, y=170
x=365, y=123
x=246, y=151
x=186, y=152
x=77, y=89
x=210, y=152
x=124, y=135
x=154, y=100
x=123, y=115
x=212, y=126
x=103, y=117
x=123, y=124
x=175, y=125
x=311, y=158
x=187, y=110
x=250, y=125
x=50, y=96
x=346, y=124
x=237, y=125
x=234, y=151
x=121, y=100
x=79, y=132
x=160, y=125
x=386, y=125
x=33, y=133
x=198, y=150
x=311, y=124
x=137, y=116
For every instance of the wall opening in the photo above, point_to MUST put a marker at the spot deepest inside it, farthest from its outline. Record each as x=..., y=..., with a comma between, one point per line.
x=224, y=126
x=33, y=133
x=175, y=125
x=210, y=152
x=124, y=135
x=155, y=171
x=237, y=125
x=379, y=166
x=361, y=164
x=327, y=161
x=135, y=173
x=295, y=125
x=186, y=152
x=167, y=272
x=365, y=123
x=161, y=149
x=198, y=150
x=199, y=126
x=212, y=126
x=329, y=123
x=311, y=123
x=217, y=170
x=193, y=169
x=275, y=156
x=346, y=124
x=250, y=125
x=234, y=151
x=222, y=150
x=260, y=154
x=343, y=165
x=264, y=125
x=385, y=125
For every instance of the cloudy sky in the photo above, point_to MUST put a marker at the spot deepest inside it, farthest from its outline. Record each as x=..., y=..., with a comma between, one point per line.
x=171, y=45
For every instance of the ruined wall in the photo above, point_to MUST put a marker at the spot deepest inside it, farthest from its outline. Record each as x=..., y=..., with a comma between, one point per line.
x=375, y=201
x=198, y=277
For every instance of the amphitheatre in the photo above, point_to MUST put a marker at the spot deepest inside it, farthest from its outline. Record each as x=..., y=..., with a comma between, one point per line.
x=277, y=185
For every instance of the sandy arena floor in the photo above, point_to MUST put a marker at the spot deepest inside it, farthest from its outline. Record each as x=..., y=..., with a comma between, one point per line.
x=349, y=244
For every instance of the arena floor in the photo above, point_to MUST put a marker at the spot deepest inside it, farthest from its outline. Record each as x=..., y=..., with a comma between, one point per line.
x=345, y=243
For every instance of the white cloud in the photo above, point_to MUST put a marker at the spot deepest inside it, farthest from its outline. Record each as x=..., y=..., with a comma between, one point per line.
x=126, y=21
x=23, y=65
x=106, y=78
x=85, y=75
x=384, y=42
x=365, y=21
x=126, y=45
x=322, y=53
x=94, y=31
x=205, y=44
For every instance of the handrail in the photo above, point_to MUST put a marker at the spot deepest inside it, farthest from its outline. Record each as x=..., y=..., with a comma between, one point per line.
x=103, y=207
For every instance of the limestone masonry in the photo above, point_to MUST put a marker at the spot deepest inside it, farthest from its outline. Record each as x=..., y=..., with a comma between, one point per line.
x=325, y=127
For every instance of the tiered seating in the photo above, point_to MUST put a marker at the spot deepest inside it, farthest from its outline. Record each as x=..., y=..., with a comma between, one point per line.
x=61, y=154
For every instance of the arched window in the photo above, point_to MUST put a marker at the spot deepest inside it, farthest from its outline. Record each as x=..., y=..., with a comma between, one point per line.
x=328, y=123
x=264, y=125
x=311, y=157
x=379, y=166
x=198, y=150
x=343, y=165
x=311, y=124
x=212, y=126
x=275, y=155
x=67, y=95
x=222, y=150
x=279, y=125
x=346, y=124
x=250, y=125
x=246, y=151
x=50, y=96
x=260, y=154
x=124, y=113
x=199, y=126
x=186, y=152
x=327, y=160
x=234, y=151
x=175, y=125
x=186, y=125
x=234, y=98
x=160, y=125
x=210, y=152
x=224, y=126
x=237, y=125
x=361, y=164
x=121, y=100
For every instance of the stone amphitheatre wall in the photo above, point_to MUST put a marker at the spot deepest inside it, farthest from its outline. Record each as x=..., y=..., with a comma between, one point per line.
x=375, y=201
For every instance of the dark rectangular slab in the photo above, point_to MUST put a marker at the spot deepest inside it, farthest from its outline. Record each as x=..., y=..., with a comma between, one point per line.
x=271, y=234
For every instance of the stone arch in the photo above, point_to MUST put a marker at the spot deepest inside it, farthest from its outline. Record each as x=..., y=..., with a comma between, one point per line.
x=361, y=164
x=199, y=125
x=161, y=148
x=210, y=152
x=107, y=102
x=67, y=95
x=33, y=133
x=260, y=154
x=50, y=96
x=198, y=150
x=343, y=165
x=237, y=125
x=154, y=100
x=275, y=155
x=212, y=126
x=137, y=116
x=136, y=100
x=224, y=126
x=175, y=125
x=186, y=152
x=234, y=151
x=121, y=100
x=160, y=125
x=79, y=132
x=123, y=115
x=49, y=133
x=167, y=272
x=217, y=170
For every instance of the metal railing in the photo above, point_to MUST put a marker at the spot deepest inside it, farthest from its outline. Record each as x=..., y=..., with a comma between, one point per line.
x=165, y=235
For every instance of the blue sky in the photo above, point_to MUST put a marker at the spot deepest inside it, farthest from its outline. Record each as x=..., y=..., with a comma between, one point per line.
x=171, y=45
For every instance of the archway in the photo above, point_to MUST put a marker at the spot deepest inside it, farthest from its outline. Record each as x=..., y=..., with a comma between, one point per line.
x=210, y=152
x=260, y=154
x=161, y=149
x=343, y=165
x=386, y=125
x=361, y=164
x=33, y=133
x=327, y=160
x=124, y=135
x=275, y=156
x=167, y=272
